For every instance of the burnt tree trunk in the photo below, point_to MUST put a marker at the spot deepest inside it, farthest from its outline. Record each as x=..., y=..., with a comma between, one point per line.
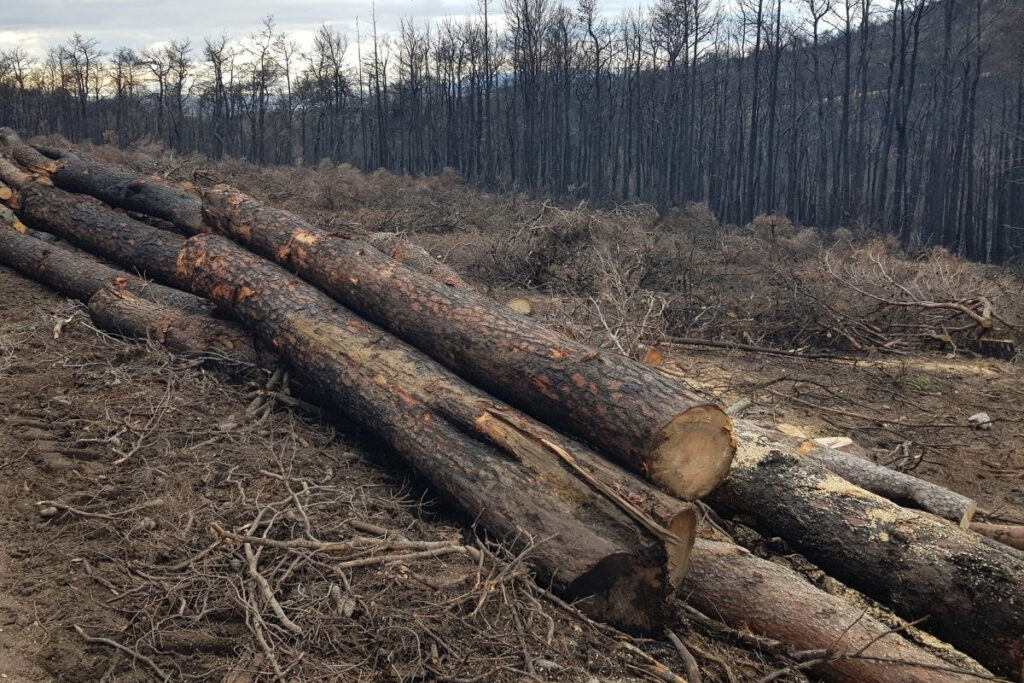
x=968, y=589
x=121, y=303
x=518, y=486
x=631, y=413
x=115, y=185
x=726, y=582
x=901, y=488
x=79, y=275
x=88, y=223
x=118, y=310
x=415, y=256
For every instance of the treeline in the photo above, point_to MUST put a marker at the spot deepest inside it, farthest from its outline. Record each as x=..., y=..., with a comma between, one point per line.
x=906, y=116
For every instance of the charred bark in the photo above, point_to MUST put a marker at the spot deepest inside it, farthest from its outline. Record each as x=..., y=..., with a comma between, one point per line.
x=116, y=309
x=901, y=488
x=632, y=414
x=968, y=589
x=121, y=303
x=88, y=223
x=473, y=452
x=114, y=185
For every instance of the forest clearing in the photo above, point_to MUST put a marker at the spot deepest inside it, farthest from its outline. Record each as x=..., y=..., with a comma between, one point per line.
x=301, y=424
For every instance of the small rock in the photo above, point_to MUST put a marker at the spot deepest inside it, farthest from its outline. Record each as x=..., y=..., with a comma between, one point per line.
x=981, y=421
x=48, y=511
x=147, y=524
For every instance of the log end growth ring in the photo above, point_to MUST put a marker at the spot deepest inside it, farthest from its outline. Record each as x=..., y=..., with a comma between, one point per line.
x=694, y=453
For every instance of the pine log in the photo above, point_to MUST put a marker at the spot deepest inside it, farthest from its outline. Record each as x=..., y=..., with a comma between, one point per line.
x=899, y=487
x=1007, y=534
x=416, y=257
x=968, y=589
x=114, y=185
x=726, y=582
x=631, y=413
x=93, y=226
x=121, y=303
x=118, y=310
x=5, y=193
x=519, y=486
x=25, y=155
x=79, y=276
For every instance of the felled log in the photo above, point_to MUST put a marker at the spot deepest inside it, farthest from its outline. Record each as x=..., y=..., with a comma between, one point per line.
x=5, y=193
x=968, y=589
x=728, y=583
x=79, y=276
x=901, y=488
x=25, y=155
x=121, y=303
x=1008, y=534
x=416, y=257
x=116, y=309
x=88, y=223
x=520, y=487
x=113, y=185
x=649, y=424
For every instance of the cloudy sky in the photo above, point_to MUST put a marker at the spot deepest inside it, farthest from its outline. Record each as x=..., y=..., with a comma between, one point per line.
x=39, y=24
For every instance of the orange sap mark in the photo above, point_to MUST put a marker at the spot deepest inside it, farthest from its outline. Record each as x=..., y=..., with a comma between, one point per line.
x=579, y=380
x=652, y=357
x=558, y=353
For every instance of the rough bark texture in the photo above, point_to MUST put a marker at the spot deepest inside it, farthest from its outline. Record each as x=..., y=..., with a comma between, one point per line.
x=25, y=155
x=586, y=544
x=728, y=583
x=88, y=223
x=115, y=185
x=118, y=310
x=628, y=411
x=969, y=589
x=899, y=487
x=80, y=276
x=416, y=257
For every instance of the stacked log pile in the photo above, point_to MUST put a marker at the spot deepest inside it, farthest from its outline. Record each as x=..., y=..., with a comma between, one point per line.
x=587, y=459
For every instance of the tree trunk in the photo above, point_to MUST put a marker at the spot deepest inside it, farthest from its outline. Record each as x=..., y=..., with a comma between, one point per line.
x=899, y=487
x=971, y=589
x=116, y=186
x=726, y=582
x=118, y=310
x=631, y=413
x=78, y=275
x=121, y=303
x=520, y=486
x=415, y=257
x=88, y=223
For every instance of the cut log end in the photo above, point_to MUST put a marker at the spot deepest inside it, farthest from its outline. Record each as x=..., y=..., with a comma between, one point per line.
x=694, y=454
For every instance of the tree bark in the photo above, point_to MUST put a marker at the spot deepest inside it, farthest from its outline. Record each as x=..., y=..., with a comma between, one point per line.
x=520, y=486
x=415, y=257
x=78, y=275
x=726, y=582
x=118, y=310
x=121, y=303
x=970, y=589
x=632, y=414
x=116, y=186
x=88, y=223
x=899, y=487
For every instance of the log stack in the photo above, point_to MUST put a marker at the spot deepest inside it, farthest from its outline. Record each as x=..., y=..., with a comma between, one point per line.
x=582, y=457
